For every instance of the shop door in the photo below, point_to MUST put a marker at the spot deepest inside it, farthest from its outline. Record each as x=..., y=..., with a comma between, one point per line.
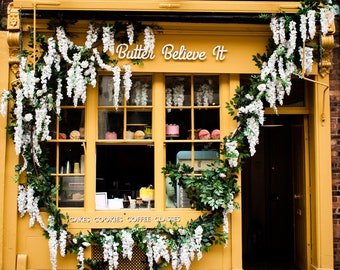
x=301, y=192
x=272, y=195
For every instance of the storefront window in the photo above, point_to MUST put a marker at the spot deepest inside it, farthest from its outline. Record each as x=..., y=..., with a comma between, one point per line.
x=125, y=141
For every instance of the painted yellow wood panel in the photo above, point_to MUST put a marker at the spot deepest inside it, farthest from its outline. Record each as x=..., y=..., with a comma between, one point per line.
x=178, y=6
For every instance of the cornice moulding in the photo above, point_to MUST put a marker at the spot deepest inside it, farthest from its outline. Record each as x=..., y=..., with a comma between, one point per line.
x=179, y=6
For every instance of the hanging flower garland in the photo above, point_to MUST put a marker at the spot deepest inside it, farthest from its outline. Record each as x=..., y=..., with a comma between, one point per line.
x=39, y=95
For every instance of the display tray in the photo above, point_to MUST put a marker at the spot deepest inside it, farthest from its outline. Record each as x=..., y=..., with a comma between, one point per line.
x=172, y=136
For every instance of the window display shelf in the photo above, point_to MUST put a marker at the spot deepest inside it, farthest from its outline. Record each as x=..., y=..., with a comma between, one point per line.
x=125, y=142
x=191, y=141
x=130, y=108
x=67, y=140
x=68, y=174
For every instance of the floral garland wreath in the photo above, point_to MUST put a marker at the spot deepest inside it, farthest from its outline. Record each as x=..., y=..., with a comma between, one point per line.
x=66, y=67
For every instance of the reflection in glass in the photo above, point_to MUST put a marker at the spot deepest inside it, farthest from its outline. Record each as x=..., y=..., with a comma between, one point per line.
x=141, y=91
x=177, y=91
x=206, y=90
x=71, y=193
x=139, y=95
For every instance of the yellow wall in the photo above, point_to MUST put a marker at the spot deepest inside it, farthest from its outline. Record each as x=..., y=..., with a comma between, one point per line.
x=3, y=85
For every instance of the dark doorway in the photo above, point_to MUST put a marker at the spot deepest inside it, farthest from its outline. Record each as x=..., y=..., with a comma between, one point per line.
x=268, y=199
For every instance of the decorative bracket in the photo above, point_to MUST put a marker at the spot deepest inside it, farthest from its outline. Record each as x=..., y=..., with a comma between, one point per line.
x=326, y=44
x=13, y=38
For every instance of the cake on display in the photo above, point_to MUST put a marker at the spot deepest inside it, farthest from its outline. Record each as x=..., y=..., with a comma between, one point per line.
x=215, y=134
x=204, y=134
x=147, y=193
x=111, y=135
x=139, y=135
x=172, y=130
x=130, y=135
x=75, y=135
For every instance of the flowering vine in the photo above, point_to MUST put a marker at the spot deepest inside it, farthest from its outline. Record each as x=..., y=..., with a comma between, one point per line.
x=65, y=70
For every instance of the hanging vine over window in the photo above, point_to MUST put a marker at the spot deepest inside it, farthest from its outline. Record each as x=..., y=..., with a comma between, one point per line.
x=65, y=70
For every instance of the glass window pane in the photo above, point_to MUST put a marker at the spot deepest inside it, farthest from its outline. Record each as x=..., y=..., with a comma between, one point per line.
x=178, y=123
x=178, y=89
x=206, y=90
x=125, y=172
x=110, y=124
x=72, y=124
x=71, y=192
x=141, y=91
x=207, y=122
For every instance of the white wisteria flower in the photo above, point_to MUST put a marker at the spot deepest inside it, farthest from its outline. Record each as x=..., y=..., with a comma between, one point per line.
x=149, y=39
x=274, y=26
x=64, y=44
x=303, y=27
x=311, y=23
x=28, y=117
x=108, y=39
x=130, y=33
x=110, y=251
x=228, y=210
x=327, y=15
x=80, y=258
x=127, y=244
x=52, y=242
x=33, y=208
x=116, y=86
x=91, y=37
x=198, y=235
x=127, y=81
x=232, y=153
x=4, y=102
x=22, y=200
x=306, y=58
x=252, y=133
x=62, y=242
x=291, y=43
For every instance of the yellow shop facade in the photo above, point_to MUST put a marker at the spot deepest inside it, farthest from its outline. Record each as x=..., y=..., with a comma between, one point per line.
x=106, y=151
